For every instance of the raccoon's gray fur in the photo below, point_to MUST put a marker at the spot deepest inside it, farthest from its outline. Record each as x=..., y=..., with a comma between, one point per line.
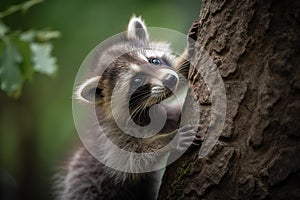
x=88, y=179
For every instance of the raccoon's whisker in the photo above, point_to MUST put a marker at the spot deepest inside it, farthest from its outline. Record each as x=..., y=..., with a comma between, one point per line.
x=141, y=106
x=137, y=109
x=139, y=98
x=186, y=62
x=137, y=101
x=140, y=113
x=140, y=95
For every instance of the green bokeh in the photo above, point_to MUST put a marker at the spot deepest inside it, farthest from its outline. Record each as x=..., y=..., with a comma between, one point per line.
x=37, y=133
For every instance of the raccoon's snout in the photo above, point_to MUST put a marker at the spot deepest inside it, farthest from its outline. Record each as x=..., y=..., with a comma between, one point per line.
x=170, y=81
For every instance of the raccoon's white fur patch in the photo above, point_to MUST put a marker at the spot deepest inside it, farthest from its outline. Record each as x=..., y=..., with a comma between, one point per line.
x=135, y=68
x=149, y=53
x=142, y=56
x=157, y=90
x=86, y=84
x=161, y=46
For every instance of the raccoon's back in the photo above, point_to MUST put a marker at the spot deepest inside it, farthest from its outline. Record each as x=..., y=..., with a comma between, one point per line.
x=86, y=179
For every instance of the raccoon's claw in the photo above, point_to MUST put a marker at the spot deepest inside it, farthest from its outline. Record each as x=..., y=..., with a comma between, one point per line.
x=192, y=37
x=194, y=30
x=186, y=136
x=197, y=142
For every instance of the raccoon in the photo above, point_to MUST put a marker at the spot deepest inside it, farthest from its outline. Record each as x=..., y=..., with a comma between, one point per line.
x=139, y=74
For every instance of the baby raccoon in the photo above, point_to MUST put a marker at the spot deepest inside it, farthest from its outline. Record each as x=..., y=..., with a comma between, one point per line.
x=130, y=86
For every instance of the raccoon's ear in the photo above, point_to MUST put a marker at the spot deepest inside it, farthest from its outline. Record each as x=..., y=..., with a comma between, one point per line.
x=137, y=29
x=90, y=91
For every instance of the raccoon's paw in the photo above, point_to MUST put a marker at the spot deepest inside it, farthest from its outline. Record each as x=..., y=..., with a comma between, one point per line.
x=192, y=37
x=186, y=136
x=194, y=30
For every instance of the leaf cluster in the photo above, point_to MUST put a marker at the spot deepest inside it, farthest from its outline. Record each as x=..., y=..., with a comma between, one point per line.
x=22, y=53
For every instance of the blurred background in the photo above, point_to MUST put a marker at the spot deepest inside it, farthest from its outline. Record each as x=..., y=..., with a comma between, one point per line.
x=37, y=133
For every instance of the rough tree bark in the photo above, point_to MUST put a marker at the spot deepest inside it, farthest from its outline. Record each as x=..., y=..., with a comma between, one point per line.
x=256, y=47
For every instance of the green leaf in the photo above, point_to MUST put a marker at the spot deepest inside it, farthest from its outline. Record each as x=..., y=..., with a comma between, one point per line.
x=10, y=73
x=42, y=59
x=19, y=7
x=39, y=36
x=27, y=36
x=26, y=65
x=46, y=35
x=28, y=4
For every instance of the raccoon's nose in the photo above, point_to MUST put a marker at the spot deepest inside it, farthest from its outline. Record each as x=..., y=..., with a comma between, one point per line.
x=170, y=81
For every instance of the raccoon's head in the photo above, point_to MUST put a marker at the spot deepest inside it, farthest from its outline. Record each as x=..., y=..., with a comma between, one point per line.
x=138, y=73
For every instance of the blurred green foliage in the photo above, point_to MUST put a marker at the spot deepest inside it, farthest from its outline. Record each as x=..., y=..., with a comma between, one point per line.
x=37, y=133
x=23, y=53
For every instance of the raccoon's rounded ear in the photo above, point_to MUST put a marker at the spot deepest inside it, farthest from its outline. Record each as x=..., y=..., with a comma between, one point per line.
x=137, y=29
x=90, y=91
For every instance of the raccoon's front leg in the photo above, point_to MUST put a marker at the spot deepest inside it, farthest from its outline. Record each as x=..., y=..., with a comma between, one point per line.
x=186, y=135
x=184, y=62
x=192, y=38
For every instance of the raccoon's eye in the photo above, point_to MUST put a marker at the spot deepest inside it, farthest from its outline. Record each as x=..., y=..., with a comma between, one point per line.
x=155, y=61
x=137, y=81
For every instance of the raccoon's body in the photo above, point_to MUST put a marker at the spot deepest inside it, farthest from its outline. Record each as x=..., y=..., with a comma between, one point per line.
x=138, y=75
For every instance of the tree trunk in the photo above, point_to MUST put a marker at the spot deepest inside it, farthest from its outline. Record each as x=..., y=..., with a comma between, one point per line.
x=255, y=45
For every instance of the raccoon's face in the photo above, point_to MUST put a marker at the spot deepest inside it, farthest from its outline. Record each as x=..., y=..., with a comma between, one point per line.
x=150, y=81
x=143, y=75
